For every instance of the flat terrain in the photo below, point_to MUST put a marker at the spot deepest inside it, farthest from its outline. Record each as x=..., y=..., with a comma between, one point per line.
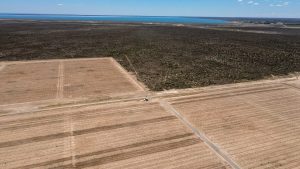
x=258, y=126
x=100, y=77
x=247, y=125
x=123, y=135
x=64, y=79
x=28, y=82
x=164, y=56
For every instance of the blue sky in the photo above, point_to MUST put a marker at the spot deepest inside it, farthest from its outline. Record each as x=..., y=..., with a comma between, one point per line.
x=227, y=8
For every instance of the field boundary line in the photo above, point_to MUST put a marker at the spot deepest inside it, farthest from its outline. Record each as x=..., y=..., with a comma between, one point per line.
x=52, y=60
x=60, y=81
x=291, y=86
x=125, y=73
x=199, y=134
x=192, y=98
x=240, y=85
x=76, y=105
x=30, y=102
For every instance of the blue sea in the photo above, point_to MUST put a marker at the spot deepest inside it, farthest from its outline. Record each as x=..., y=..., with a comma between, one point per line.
x=106, y=18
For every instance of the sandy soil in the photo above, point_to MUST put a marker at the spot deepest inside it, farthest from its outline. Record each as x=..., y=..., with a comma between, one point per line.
x=97, y=77
x=28, y=82
x=131, y=135
x=62, y=79
x=245, y=125
x=257, y=125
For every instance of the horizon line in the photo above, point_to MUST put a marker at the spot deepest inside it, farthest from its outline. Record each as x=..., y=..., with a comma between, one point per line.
x=12, y=13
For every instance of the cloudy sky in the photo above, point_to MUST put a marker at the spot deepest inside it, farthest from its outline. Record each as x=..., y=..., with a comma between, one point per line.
x=228, y=8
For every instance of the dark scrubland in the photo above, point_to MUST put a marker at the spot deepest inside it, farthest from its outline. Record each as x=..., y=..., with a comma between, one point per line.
x=165, y=57
x=267, y=30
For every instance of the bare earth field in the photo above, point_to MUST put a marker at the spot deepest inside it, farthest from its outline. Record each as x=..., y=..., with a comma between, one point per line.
x=131, y=135
x=58, y=79
x=257, y=125
x=101, y=77
x=28, y=82
x=246, y=125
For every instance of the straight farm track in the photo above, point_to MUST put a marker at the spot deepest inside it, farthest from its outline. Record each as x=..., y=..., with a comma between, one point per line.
x=23, y=82
x=253, y=125
x=131, y=135
x=257, y=126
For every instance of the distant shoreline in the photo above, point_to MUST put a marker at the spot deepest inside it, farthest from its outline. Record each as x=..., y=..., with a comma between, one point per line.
x=119, y=19
x=158, y=20
x=199, y=25
x=211, y=17
x=115, y=22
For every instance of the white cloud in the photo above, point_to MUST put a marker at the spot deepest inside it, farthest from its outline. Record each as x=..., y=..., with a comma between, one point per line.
x=280, y=4
x=271, y=3
x=60, y=4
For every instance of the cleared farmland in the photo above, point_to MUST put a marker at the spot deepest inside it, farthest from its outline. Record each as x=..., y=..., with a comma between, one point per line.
x=258, y=125
x=131, y=135
x=97, y=77
x=28, y=82
x=248, y=125
x=58, y=79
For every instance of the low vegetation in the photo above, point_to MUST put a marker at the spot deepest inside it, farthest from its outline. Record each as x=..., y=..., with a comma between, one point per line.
x=164, y=57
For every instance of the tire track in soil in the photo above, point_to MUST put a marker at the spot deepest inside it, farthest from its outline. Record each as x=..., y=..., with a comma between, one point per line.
x=200, y=135
x=131, y=65
x=60, y=82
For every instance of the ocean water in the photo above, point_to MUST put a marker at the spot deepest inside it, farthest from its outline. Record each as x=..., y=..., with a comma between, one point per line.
x=104, y=18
